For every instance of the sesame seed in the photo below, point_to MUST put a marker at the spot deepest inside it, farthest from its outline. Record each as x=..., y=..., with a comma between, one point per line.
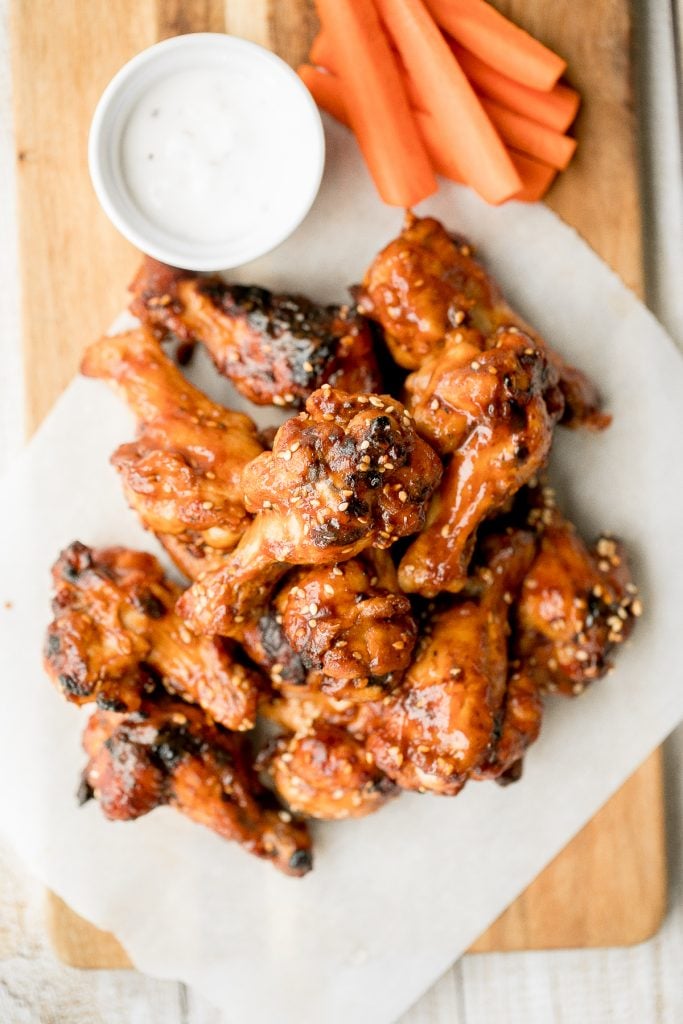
x=295, y=447
x=312, y=623
x=210, y=475
x=398, y=645
x=239, y=618
x=342, y=506
x=434, y=404
x=277, y=400
x=445, y=530
x=377, y=402
x=329, y=590
x=637, y=608
x=475, y=365
x=286, y=455
x=207, y=504
x=364, y=445
x=308, y=367
x=328, y=416
x=402, y=496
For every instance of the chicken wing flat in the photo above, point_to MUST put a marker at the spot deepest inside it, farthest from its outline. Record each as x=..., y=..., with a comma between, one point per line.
x=182, y=474
x=576, y=606
x=115, y=634
x=491, y=406
x=324, y=772
x=446, y=719
x=349, y=473
x=425, y=285
x=276, y=349
x=168, y=752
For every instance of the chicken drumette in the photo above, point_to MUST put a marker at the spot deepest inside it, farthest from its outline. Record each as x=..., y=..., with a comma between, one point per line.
x=350, y=626
x=115, y=635
x=462, y=710
x=324, y=772
x=489, y=406
x=425, y=285
x=274, y=348
x=168, y=752
x=347, y=474
x=576, y=605
x=182, y=474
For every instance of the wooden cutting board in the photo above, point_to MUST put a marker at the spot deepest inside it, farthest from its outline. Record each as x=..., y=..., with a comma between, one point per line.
x=608, y=886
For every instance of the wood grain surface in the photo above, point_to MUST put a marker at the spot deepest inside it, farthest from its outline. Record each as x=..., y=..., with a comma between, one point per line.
x=608, y=886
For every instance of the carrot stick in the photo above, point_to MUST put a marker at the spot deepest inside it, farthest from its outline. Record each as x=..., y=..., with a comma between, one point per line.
x=536, y=177
x=530, y=137
x=327, y=92
x=556, y=109
x=443, y=90
x=322, y=51
x=377, y=104
x=497, y=41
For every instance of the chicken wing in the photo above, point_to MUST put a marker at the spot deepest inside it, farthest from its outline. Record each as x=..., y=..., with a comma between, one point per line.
x=576, y=606
x=274, y=348
x=347, y=474
x=446, y=719
x=182, y=474
x=425, y=285
x=491, y=405
x=350, y=625
x=168, y=752
x=324, y=772
x=115, y=634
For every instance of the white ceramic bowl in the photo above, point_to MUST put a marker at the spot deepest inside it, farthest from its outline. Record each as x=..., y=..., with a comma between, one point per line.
x=291, y=104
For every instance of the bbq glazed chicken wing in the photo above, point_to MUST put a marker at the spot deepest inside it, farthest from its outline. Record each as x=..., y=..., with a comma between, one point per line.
x=115, y=634
x=168, y=752
x=350, y=625
x=425, y=285
x=576, y=606
x=182, y=474
x=323, y=772
x=491, y=405
x=343, y=630
x=274, y=348
x=447, y=718
x=348, y=474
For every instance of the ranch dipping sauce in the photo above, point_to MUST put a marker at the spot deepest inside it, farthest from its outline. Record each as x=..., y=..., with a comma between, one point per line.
x=206, y=151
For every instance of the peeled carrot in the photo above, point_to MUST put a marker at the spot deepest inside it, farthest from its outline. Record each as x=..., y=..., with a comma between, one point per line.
x=327, y=93
x=325, y=89
x=536, y=177
x=530, y=137
x=556, y=109
x=376, y=100
x=322, y=51
x=444, y=91
x=497, y=41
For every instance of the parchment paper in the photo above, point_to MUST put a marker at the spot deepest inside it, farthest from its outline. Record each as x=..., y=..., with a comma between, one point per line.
x=394, y=898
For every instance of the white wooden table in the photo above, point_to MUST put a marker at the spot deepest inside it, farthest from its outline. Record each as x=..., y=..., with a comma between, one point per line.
x=642, y=985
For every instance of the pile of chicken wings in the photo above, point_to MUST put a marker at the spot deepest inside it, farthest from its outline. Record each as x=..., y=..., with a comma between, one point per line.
x=380, y=596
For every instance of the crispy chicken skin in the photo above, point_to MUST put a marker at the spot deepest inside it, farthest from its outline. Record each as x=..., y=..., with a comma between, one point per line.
x=168, y=752
x=182, y=474
x=274, y=348
x=115, y=633
x=446, y=719
x=490, y=406
x=576, y=606
x=425, y=285
x=347, y=474
x=324, y=772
